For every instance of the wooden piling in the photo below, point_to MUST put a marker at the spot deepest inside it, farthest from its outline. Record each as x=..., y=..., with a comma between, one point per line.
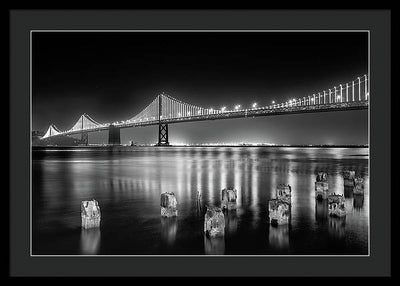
x=228, y=198
x=168, y=205
x=90, y=214
x=214, y=222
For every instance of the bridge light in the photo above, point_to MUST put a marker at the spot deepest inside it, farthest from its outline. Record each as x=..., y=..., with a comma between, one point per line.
x=237, y=107
x=273, y=102
x=254, y=104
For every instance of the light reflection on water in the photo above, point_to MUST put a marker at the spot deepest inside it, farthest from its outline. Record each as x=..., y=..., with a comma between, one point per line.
x=128, y=185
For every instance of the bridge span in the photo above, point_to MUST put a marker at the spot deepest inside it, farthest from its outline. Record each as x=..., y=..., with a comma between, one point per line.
x=165, y=110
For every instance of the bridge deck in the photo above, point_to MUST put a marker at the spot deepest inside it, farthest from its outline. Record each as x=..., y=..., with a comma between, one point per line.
x=255, y=112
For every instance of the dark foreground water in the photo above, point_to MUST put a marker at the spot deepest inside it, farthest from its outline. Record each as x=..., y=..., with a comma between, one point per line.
x=127, y=183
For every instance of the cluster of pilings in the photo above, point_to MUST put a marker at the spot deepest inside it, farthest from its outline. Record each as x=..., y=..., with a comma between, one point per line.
x=353, y=182
x=214, y=219
x=335, y=202
x=329, y=204
x=353, y=185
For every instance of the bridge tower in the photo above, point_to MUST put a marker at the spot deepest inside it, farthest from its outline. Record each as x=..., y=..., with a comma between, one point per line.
x=84, y=135
x=114, y=135
x=162, y=127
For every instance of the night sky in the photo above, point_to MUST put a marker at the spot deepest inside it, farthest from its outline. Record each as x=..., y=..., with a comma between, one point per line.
x=113, y=76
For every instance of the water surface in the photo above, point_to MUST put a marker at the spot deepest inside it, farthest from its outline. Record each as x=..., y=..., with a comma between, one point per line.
x=128, y=182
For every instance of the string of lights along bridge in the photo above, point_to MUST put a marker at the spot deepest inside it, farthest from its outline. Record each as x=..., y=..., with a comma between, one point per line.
x=165, y=109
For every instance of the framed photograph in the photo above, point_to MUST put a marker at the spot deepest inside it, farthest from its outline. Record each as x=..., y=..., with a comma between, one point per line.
x=200, y=143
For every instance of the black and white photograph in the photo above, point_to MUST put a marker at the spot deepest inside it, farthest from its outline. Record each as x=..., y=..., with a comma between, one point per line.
x=200, y=142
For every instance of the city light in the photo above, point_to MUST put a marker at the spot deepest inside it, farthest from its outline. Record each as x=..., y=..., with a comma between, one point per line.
x=273, y=102
x=223, y=108
x=237, y=107
x=254, y=104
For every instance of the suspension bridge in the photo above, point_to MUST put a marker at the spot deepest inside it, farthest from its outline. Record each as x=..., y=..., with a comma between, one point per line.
x=165, y=110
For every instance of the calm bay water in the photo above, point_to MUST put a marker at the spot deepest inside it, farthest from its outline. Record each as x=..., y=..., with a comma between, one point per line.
x=128, y=182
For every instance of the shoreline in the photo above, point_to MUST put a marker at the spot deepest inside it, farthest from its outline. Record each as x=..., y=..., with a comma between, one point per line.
x=108, y=147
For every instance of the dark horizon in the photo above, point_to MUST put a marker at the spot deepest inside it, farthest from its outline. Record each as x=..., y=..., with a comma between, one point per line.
x=112, y=76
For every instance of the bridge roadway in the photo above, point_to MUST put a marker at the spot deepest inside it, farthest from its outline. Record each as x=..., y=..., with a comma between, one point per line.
x=246, y=113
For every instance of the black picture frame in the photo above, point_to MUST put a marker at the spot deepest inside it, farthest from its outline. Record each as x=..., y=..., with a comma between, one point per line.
x=376, y=21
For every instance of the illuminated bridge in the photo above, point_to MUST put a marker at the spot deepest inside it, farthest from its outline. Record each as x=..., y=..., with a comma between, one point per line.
x=165, y=109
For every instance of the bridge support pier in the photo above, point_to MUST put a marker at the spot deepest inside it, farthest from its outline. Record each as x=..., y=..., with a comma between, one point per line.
x=114, y=135
x=163, y=135
x=84, y=138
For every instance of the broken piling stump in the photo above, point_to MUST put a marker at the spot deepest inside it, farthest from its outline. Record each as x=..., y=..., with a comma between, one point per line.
x=284, y=193
x=336, y=205
x=358, y=188
x=228, y=198
x=214, y=222
x=168, y=205
x=321, y=186
x=348, y=177
x=279, y=212
x=90, y=214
